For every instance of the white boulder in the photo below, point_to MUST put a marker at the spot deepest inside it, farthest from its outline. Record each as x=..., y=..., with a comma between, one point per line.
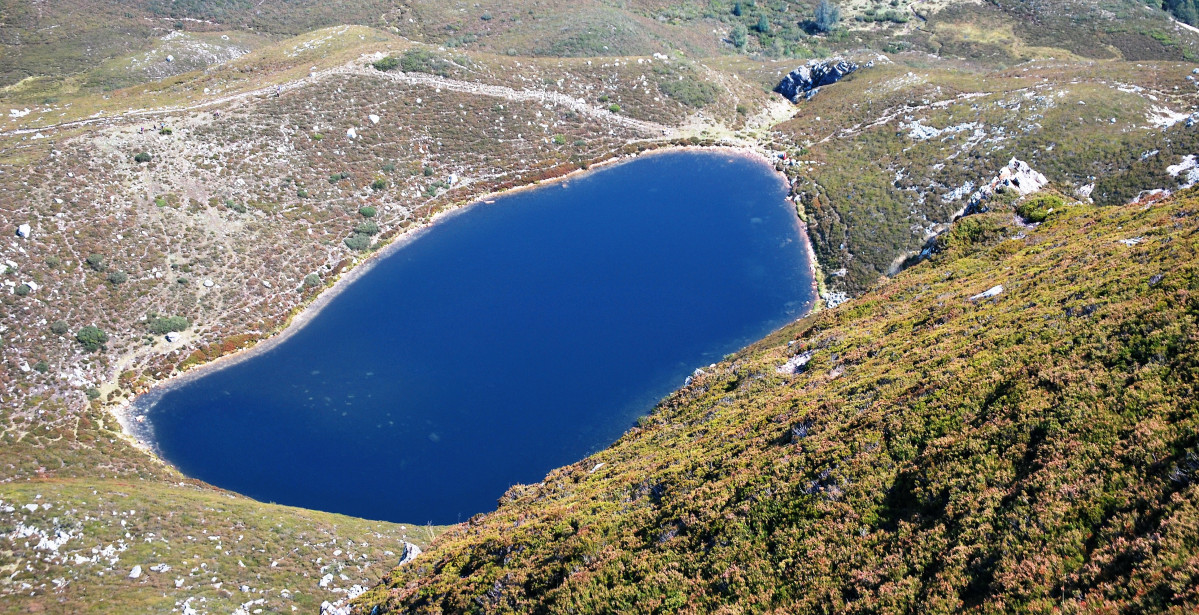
x=24, y=231
x=990, y=292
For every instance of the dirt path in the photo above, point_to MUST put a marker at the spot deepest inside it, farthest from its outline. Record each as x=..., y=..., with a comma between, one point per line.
x=359, y=68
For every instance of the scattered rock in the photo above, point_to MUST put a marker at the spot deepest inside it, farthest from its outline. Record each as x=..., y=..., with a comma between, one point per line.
x=24, y=231
x=410, y=553
x=373, y=118
x=816, y=73
x=796, y=365
x=987, y=294
x=351, y=133
x=136, y=572
x=1017, y=176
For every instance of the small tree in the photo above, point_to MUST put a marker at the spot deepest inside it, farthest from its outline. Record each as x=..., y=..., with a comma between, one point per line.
x=737, y=10
x=826, y=17
x=59, y=327
x=142, y=157
x=763, y=25
x=92, y=338
x=118, y=277
x=366, y=211
x=739, y=36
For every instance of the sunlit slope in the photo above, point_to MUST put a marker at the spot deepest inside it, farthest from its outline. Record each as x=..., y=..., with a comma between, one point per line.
x=938, y=451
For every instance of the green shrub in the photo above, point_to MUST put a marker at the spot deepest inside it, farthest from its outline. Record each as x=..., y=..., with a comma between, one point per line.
x=386, y=64
x=366, y=211
x=367, y=228
x=559, y=139
x=387, y=168
x=235, y=206
x=423, y=61
x=118, y=277
x=336, y=177
x=379, y=184
x=41, y=367
x=92, y=338
x=358, y=242
x=52, y=262
x=739, y=36
x=95, y=261
x=162, y=326
x=142, y=157
x=92, y=393
x=311, y=280
x=22, y=290
x=1037, y=208
x=614, y=108
x=485, y=16
x=59, y=327
x=427, y=171
x=302, y=193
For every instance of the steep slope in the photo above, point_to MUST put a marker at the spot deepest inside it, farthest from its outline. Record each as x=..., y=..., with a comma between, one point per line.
x=930, y=446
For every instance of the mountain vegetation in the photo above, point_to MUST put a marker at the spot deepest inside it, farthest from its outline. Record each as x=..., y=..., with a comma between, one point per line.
x=991, y=414
x=933, y=450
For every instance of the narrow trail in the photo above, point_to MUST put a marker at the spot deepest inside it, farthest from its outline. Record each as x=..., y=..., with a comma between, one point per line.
x=358, y=68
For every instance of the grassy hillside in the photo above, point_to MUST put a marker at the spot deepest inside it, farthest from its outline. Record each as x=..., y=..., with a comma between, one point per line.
x=938, y=451
x=911, y=141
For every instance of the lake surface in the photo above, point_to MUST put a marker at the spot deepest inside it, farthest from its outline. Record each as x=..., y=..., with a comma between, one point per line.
x=507, y=340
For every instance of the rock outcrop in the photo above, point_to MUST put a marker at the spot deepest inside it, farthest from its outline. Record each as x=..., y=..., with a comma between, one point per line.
x=1016, y=176
x=803, y=81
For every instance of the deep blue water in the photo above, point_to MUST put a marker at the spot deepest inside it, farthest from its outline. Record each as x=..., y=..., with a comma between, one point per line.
x=508, y=340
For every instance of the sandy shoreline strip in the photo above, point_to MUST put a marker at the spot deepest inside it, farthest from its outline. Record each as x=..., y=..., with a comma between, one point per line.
x=131, y=414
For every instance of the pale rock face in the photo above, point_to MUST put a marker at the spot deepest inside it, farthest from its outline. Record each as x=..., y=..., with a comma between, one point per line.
x=987, y=294
x=1017, y=176
x=410, y=553
x=813, y=75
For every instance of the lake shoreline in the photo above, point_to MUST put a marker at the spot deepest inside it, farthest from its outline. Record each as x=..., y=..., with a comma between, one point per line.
x=131, y=414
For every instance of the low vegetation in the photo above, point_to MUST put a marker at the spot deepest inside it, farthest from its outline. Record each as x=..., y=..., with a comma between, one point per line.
x=933, y=451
